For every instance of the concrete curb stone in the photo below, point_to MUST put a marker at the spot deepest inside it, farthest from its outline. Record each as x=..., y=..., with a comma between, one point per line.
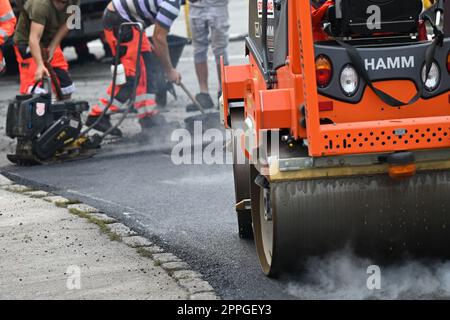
x=103, y=218
x=80, y=207
x=18, y=188
x=37, y=194
x=5, y=181
x=121, y=230
x=180, y=271
x=137, y=242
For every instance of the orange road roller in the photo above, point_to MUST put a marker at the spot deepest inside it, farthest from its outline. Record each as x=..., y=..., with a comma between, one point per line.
x=341, y=129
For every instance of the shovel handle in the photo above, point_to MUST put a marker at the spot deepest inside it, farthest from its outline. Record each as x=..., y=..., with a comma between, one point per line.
x=191, y=96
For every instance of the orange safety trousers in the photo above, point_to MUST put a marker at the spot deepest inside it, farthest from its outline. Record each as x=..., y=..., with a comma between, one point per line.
x=144, y=104
x=27, y=69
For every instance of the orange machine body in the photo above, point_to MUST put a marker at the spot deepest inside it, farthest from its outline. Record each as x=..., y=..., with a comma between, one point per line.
x=331, y=126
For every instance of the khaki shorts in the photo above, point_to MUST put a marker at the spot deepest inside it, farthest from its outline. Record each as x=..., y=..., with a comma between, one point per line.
x=210, y=24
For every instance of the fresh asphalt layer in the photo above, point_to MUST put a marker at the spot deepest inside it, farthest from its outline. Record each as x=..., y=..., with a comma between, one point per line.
x=187, y=209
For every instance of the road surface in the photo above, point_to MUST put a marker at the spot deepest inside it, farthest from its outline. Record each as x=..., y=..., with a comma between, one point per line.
x=188, y=209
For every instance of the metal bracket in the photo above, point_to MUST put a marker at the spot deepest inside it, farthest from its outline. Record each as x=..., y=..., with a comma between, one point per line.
x=304, y=163
x=294, y=164
x=244, y=205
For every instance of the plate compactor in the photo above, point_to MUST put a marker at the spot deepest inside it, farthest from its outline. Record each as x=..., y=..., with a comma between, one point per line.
x=359, y=109
x=51, y=130
x=46, y=131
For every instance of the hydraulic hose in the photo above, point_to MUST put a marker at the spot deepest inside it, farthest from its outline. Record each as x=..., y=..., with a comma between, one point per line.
x=114, y=84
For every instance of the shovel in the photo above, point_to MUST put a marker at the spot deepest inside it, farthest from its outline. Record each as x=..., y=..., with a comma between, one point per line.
x=209, y=120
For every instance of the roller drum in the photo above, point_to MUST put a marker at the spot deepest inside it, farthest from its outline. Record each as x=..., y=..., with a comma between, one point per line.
x=377, y=216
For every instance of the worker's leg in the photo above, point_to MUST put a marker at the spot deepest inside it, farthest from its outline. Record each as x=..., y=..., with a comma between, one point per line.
x=220, y=26
x=148, y=114
x=200, y=32
x=201, y=69
x=128, y=52
x=103, y=124
x=127, y=56
x=27, y=69
x=145, y=104
x=61, y=68
x=111, y=24
x=200, y=42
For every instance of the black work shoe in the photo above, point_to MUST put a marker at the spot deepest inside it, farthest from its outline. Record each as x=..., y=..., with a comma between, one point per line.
x=205, y=101
x=103, y=125
x=156, y=129
x=151, y=122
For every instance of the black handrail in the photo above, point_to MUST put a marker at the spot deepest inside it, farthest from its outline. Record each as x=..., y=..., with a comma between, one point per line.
x=265, y=50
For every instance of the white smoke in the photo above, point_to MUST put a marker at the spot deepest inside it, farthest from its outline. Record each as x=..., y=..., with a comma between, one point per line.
x=342, y=275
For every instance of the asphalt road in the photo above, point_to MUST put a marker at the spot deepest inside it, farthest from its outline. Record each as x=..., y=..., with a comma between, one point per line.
x=188, y=209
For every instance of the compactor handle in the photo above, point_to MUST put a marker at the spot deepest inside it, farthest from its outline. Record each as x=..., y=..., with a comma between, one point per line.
x=44, y=81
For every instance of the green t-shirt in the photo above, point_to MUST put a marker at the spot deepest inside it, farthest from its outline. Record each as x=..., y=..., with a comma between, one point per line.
x=45, y=13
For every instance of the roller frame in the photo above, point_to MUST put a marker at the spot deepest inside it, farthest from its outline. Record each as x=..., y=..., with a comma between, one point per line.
x=338, y=192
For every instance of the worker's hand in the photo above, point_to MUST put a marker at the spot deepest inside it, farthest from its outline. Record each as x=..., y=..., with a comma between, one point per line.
x=174, y=76
x=41, y=72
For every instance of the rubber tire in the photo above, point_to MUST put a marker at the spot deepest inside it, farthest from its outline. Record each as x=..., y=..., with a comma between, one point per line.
x=241, y=173
x=268, y=265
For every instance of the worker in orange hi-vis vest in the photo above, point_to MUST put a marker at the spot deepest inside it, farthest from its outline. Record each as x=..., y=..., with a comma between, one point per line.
x=7, y=24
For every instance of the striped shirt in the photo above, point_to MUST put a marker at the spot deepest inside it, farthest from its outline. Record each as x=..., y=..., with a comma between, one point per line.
x=148, y=12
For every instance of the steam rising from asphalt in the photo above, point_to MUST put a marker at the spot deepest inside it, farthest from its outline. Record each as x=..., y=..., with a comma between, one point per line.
x=342, y=275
